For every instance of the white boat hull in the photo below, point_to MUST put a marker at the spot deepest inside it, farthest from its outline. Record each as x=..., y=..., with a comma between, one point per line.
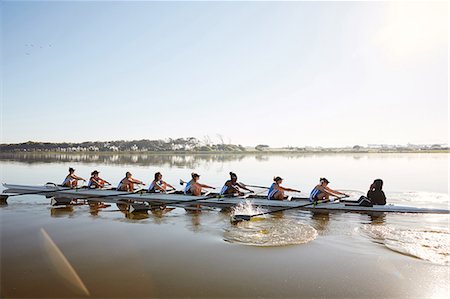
x=112, y=196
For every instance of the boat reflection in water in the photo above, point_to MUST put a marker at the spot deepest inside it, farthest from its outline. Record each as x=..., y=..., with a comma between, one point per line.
x=320, y=221
x=62, y=211
x=377, y=218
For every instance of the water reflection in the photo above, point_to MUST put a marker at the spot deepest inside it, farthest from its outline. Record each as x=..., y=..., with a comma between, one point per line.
x=377, y=218
x=195, y=220
x=320, y=221
x=59, y=212
x=184, y=160
x=161, y=160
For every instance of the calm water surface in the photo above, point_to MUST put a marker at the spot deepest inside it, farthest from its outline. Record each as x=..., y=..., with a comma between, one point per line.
x=79, y=251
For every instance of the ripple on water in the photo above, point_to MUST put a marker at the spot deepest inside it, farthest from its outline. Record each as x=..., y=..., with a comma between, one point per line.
x=267, y=231
x=430, y=245
x=270, y=232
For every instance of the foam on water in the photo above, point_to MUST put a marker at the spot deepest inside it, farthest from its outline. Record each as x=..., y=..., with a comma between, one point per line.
x=430, y=245
x=267, y=230
x=270, y=232
x=245, y=208
x=421, y=198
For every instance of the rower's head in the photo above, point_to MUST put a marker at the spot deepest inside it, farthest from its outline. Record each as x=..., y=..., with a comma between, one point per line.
x=278, y=180
x=195, y=176
x=324, y=181
x=158, y=176
x=128, y=174
x=94, y=173
x=233, y=176
x=71, y=170
x=377, y=184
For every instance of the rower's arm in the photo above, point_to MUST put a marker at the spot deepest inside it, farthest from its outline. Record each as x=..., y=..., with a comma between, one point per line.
x=241, y=185
x=169, y=185
x=333, y=192
x=78, y=178
x=289, y=189
x=136, y=181
x=206, y=186
x=159, y=187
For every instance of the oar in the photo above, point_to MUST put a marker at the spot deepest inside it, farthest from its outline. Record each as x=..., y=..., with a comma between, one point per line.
x=192, y=200
x=32, y=193
x=42, y=192
x=237, y=218
x=256, y=186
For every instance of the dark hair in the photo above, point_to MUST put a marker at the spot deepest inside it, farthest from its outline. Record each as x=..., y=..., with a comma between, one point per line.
x=157, y=175
x=232, y=174
x=277, y=178
x=324, y=180
x=378, y=184
x=94, y=172
x=126, y=173
x=195, y=175
x=71, y=169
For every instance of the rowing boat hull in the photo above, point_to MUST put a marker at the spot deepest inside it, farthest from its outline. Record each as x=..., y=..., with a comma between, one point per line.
x=113, y=196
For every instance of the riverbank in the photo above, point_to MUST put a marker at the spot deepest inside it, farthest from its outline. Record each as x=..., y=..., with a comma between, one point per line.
x=251, y=152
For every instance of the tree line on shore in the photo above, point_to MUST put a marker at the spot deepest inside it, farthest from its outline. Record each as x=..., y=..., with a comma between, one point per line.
x=192, y=144
x=144, y=145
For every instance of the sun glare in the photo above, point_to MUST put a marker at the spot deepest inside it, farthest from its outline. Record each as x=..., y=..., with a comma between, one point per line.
x=414, y=30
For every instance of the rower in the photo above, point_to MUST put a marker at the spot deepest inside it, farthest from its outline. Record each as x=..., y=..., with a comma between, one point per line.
x=232, y=186
x=96, y=182
x=193, y=187
x=127, y=183
x=322, y=191
x=71, y=179
x=276, y=191
x=158, y=185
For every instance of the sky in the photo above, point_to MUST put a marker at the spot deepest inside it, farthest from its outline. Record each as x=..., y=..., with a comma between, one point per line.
x=276, y=73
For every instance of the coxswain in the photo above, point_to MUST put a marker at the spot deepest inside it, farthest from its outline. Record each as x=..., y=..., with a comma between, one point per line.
x=376, y=194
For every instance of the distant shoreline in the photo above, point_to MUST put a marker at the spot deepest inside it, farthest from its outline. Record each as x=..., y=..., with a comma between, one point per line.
x=265, y=152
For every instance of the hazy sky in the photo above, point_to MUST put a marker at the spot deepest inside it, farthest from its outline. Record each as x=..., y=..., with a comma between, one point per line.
x=291, y=73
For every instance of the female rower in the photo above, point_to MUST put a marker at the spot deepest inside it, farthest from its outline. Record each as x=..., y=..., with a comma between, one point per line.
x=321, y=191
x=376, y=194
x=158, y=185
x=127, y=183
x=232, y=186
x=276, y=192
x=71, y=179
x=193, y=187
x=95, y=181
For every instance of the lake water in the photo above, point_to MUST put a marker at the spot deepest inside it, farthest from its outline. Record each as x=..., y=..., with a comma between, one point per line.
x=79, y=251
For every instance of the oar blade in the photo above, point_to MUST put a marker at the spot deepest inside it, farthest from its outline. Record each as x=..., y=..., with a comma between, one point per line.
x=239, y=218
